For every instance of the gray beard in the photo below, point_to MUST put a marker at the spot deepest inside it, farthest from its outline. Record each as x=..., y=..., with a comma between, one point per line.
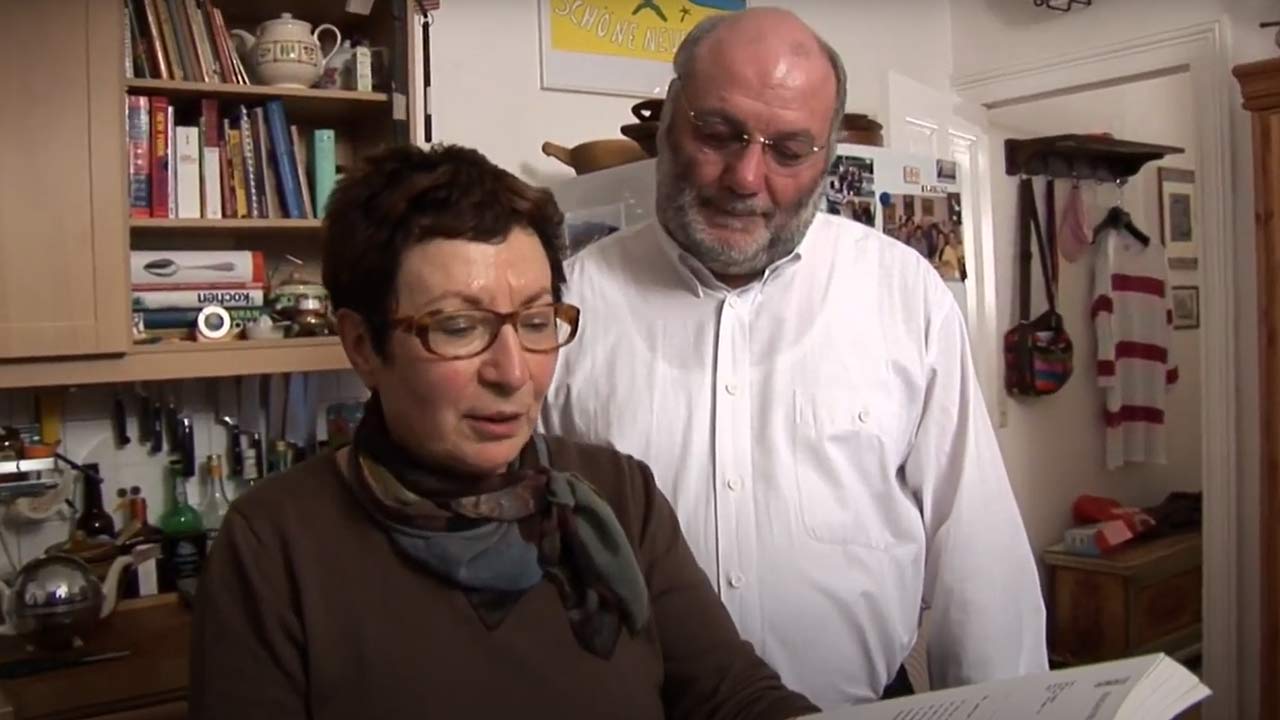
x=677, y=209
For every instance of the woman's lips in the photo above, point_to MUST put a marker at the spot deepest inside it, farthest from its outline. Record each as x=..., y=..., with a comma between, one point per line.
x=496, y=426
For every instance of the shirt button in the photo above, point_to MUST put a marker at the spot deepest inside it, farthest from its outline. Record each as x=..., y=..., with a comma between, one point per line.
x=732, y=302
x=731, y=388
x=734, y=483
x=736, y=580
x=864, y=416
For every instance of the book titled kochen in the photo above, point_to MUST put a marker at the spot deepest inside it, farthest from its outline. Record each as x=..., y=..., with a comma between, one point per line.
x=148, y=299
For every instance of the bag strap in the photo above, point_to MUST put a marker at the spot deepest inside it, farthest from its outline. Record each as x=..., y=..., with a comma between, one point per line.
x=1051, y=229
x=1028, y=222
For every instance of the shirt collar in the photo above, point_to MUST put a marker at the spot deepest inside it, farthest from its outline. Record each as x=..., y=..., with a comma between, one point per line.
x=699, y=280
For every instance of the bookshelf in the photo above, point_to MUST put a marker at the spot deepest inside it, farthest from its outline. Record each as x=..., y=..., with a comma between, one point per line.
x=79, y=282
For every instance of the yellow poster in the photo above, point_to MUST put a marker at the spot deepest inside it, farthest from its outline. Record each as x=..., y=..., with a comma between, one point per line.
x=635, y=29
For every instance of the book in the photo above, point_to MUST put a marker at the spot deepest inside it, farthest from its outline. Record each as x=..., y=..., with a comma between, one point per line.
x=211, y=158
x=171, y=162
x=182, y=32
x=170, y=43
x=280, y=143
x=196, y=268
x=1149, y=687
x=155, y=40
x=266, y=166
x=187, y=154
x=139, y=130
x=160, y=157
x=204, y=43
x=128, y=44
x=187, y=299
x=140, y=42
x=324, y=169
x=220, y=45
x=300, y=157
x=186, y=317
x=252, y=177
x=235, y=153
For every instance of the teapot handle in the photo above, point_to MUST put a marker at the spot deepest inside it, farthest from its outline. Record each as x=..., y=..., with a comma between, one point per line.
x=337, y=41
x=111, y=586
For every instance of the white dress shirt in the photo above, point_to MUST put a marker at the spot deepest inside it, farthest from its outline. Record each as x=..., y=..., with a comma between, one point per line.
x=822, y=437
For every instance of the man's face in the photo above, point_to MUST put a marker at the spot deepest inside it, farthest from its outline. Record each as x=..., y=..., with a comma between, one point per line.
x=739, y=209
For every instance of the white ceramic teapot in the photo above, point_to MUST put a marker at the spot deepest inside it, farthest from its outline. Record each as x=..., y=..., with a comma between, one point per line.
x=286, y=52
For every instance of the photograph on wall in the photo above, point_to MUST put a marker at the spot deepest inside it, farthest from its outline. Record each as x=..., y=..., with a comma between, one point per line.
x=932, y=226
x=1186, y=307
x=849, y=189
x=1177, y=188
x=617, y=47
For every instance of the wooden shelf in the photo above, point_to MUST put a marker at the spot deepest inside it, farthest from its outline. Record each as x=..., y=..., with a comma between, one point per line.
x=174, y=360
x=239, y=225
x=186, y=88
x=1086, y=157
x=325, y=107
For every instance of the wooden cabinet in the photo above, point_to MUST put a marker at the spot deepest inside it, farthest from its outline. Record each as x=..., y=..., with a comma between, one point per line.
x=65, y=230
x=63, y=241
x=1139, y=599
x=1260, y=86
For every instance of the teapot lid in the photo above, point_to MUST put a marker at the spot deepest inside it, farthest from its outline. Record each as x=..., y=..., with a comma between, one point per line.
x=287, y=19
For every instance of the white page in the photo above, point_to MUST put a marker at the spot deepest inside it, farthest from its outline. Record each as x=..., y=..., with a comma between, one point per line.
x=1093, y=692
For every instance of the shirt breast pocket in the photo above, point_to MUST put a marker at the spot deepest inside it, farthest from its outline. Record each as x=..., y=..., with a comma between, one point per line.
x=846, y=480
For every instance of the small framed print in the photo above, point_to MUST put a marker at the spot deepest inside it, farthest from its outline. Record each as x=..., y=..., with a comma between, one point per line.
x=1184, y=264
x=1185, y=300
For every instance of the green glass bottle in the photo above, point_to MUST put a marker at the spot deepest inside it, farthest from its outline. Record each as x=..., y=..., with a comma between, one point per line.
x=183, y=545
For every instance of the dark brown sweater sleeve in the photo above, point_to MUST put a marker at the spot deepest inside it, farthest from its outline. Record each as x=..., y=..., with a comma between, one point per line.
x=710, y=672
x=246, y=642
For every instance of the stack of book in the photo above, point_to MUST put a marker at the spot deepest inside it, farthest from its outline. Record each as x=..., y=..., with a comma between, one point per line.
x=171, y=287
x=179, y=40
x=247, y=163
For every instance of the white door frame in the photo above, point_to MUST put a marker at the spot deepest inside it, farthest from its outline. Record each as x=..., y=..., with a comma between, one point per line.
x=1201, y=50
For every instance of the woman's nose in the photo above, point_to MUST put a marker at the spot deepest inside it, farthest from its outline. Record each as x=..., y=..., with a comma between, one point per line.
x=505, y=365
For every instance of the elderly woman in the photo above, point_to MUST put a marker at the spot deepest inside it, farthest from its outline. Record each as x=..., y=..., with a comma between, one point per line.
x=450, y=563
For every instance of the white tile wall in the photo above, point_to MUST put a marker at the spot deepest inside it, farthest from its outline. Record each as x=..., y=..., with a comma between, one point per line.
x=87, y=437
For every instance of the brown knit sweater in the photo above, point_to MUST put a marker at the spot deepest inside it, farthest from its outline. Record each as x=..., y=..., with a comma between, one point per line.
x=307, y=611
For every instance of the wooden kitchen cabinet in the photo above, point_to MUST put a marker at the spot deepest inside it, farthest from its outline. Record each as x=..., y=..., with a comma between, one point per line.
x=63, y=236
x=65, y=230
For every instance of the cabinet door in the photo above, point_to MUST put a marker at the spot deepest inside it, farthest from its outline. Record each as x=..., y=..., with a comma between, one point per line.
x=63, y=234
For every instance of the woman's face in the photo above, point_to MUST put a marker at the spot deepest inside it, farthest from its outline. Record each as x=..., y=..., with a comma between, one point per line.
x=473, y=415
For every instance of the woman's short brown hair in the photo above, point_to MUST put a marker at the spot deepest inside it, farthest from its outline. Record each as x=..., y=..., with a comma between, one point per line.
x=406, y=195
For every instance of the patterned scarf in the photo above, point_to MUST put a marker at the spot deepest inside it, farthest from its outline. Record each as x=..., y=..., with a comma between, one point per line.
x=498, y=537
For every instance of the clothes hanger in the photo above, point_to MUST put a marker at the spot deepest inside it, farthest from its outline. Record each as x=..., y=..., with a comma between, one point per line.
x=1117, y=218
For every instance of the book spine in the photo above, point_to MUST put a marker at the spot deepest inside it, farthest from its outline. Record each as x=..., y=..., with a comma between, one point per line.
x=139, y=124
x=175, y=318
x=172, y=163
x=204, y=44
x=221, y=45
x=324, y=168
x=180, y=299
x=128, y=44
x=196, y=267
x=282, y=149
x=211, y=158
x=170, y=41
x=187, y=150
x=235, y=148
x=182, y=32
x=155, y=40
x=251, y=179
x=159, y=157
x=141, y=62
x=266, y=167
x=300, y=167
x=228, y=178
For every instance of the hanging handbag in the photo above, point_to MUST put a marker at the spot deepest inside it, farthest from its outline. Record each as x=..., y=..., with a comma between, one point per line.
x=1037, y=352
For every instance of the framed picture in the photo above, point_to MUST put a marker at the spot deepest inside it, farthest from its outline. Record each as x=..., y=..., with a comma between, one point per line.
x=1184, y=264
x=1178, y=226
x=1185, y=300
x=617, y=47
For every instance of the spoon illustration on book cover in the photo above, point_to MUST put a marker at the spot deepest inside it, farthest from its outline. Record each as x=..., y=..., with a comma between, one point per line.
x=165, y=267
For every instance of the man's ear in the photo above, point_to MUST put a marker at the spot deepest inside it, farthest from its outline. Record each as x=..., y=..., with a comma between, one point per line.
x=358, y=344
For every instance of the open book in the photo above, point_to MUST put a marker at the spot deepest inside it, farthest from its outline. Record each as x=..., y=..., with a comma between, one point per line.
x=1150, y=687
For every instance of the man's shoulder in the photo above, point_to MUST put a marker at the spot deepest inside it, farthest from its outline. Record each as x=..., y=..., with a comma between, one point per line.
x=854, y=242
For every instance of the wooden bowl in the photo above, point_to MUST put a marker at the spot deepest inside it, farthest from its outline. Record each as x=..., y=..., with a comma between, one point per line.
x=596, y=155
x=645, y=134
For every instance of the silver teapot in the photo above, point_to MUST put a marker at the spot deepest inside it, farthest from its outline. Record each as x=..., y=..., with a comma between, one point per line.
x=55, y=600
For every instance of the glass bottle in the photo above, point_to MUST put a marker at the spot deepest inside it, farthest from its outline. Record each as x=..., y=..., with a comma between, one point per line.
x=214, y=507
x=183, y=544
x=94, y=521
x=147, y=533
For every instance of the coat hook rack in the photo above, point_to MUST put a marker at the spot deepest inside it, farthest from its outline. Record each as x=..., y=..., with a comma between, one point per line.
x=1081, y=157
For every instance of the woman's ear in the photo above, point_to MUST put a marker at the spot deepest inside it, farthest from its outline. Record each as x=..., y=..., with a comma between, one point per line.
x=358, y=344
